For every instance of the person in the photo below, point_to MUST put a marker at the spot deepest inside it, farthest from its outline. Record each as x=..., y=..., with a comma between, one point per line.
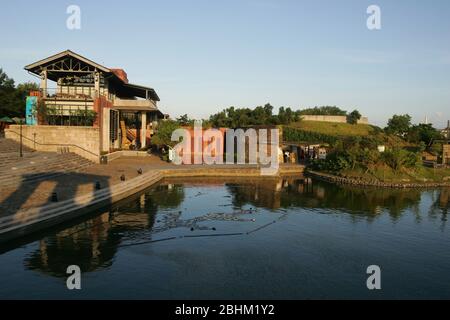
x=286, y=156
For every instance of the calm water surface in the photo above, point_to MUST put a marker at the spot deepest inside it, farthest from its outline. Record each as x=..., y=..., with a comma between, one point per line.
x=239, y=239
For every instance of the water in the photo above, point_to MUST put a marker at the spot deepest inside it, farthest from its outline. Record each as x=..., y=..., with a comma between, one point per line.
x=241, y=239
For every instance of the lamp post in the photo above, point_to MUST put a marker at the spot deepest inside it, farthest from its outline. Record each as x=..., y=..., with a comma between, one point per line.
x=21, y=150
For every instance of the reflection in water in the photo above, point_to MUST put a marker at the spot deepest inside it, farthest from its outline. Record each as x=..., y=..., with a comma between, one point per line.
x=189, y=207
x=95, y=241
x=92, y=244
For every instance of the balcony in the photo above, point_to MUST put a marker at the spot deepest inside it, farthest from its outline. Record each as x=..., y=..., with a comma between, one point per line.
x=68, y=93
x=134, y=105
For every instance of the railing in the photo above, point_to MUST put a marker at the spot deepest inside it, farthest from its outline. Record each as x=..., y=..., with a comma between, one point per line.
x=68, y=92
x=54, y=144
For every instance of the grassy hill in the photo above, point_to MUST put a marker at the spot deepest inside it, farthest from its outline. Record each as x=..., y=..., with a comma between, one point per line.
x=334, y=129
x=330, y=132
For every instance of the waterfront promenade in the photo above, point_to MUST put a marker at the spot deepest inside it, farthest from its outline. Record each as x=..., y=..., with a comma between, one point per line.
x=28, y=204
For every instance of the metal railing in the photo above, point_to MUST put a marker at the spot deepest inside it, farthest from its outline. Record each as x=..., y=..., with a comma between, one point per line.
x=69, y=115
x=68, y=92
x=53, y=144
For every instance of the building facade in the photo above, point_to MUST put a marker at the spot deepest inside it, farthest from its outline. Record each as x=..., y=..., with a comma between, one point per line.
x=75, y=91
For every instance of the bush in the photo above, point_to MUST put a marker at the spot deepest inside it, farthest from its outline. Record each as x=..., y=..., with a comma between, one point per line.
x=398, y=158
x=164, y=134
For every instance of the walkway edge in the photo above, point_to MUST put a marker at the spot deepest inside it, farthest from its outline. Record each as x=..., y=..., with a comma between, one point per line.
x=35, y=219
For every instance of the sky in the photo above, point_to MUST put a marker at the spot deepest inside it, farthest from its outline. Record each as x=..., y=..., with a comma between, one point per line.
x=204, y=56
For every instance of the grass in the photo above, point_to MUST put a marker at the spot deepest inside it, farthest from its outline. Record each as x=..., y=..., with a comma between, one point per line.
x=334, y=129
x=418, y=174
x=349, y=130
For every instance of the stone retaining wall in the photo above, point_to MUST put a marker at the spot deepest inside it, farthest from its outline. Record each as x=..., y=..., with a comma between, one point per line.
x=84, y=141
x=365, y=183
x=336, y=119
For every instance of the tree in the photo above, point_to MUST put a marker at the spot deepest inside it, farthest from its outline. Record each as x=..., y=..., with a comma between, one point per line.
x=7, y=96
x=164, y=134
x=398, y=158
x=425, y=133
x=184, y=120
x=243, y=117
x=399, y=125
x=354, y=117
x=12, y=99
x=323, y=111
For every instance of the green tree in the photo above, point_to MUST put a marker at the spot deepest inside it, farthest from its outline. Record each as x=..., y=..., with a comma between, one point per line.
x=184, y=120
x=425, y=133
x=164, y=134
x=323, y=111
x=354, y=117
x=8, y=101
x=12, y=99
x=399, y=125
x=398, y=158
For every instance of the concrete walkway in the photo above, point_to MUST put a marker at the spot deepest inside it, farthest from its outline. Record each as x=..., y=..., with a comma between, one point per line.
x=28, y=207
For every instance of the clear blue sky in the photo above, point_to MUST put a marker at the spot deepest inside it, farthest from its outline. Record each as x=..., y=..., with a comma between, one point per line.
x=203, y=56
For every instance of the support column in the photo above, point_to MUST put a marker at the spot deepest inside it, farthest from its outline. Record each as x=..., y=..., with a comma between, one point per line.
x=143, y=129
x=43, y=85
x=118, y=142
x=105, y=129
x=97, y=83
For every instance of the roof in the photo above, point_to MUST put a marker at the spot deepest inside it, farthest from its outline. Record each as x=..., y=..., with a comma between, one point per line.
x=118, y=74
x=34, y=66
x=121, y=74
x=141, y=91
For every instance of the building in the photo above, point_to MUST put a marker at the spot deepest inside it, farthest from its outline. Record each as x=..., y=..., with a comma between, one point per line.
x=446, y=154
x=77, y=92
x=333, y=119
x=446, y=132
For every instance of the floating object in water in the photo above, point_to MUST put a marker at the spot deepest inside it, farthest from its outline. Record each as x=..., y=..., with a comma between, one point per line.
x=214, y=229
x=253, y=220
x=192, y=229
x=54, y=197
x=122, y=177
x=139, y=171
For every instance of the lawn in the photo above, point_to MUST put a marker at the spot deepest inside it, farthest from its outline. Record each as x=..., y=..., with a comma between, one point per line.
x=334, y=129
x=386, y=174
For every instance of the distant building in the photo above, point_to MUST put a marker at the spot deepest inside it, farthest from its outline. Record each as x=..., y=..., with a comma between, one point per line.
x=446, y=132
x=446, y=154
x=335, y=119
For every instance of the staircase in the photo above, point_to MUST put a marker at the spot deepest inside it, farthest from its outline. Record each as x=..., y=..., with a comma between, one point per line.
x=35, y=166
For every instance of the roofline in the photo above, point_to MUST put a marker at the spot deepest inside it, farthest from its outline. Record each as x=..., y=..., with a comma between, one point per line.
x=62, y=54
x=143, y=88
x=30, y=67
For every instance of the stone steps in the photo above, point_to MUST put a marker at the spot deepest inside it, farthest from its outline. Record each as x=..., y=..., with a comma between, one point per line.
x=40, y=167
x=10, y=146
x=38, y=218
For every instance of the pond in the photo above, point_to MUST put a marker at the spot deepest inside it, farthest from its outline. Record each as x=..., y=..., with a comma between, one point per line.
x=271, y=238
